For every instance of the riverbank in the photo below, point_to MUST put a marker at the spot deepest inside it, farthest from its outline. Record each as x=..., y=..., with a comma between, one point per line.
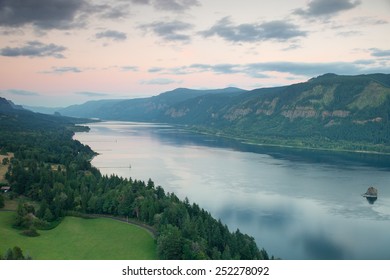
x=298, y=144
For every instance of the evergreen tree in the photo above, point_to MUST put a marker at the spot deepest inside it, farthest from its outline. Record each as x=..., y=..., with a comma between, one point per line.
x=2, y=203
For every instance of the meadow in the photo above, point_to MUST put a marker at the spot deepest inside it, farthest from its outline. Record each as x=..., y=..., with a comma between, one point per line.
x=81, y=239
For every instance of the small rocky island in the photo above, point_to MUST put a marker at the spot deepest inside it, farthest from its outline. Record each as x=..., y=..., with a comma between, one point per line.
x=371, y=195
x=371, y=192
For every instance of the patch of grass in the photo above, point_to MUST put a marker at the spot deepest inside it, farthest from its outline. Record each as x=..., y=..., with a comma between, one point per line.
x=81, y=239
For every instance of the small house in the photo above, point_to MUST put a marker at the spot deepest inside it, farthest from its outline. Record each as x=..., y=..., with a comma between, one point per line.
x=5, y=189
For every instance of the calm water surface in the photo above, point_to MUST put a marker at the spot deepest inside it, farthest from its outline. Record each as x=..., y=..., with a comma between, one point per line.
x=296, y=204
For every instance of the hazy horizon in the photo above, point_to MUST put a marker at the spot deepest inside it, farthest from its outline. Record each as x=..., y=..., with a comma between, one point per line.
x=64, y=52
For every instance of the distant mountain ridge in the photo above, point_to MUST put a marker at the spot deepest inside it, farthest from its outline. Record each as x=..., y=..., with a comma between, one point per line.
x=329, y=111
x=7, y=105
x=141, y=109
x=20, y=119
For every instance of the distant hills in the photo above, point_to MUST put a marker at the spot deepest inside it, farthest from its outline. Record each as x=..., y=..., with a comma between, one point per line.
x=143, y=109
x=327, y=112
x=20, y=119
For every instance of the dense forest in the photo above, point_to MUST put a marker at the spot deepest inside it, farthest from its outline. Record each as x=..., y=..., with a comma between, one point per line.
x=54, y=171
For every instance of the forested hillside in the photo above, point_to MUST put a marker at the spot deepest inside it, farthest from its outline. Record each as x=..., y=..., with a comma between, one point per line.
x=328, y=112
x=141, y=109
x=54, y=171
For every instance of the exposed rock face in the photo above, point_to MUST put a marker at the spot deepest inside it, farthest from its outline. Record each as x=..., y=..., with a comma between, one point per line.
x=336, y=113
x=173, y=113
x=267, y=107
x=238, y=113
x=300, y=112
x=371, y=192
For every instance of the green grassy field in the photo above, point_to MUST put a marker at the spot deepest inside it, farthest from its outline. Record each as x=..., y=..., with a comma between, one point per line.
x=81, y=239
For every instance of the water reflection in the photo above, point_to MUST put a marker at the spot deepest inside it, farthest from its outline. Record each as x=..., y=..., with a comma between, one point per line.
x=371, y=200
x=320, y=247
x=296, y=204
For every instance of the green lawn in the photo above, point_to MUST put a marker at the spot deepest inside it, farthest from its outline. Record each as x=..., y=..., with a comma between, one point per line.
x=81, y=239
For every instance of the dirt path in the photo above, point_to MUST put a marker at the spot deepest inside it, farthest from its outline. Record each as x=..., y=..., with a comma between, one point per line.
x=4, y=168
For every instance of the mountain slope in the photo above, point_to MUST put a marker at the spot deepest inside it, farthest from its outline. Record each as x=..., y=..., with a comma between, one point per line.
x=328, y=112
x=19, y=119
x=141, y=109
x=336, y=112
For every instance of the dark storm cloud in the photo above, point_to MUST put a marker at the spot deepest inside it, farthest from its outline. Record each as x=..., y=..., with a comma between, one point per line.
x=44, y=14
x=34, y=49
x=112, y=34
x=169, y=31
x=276, y=30
x=327, y=7
x=57, y=14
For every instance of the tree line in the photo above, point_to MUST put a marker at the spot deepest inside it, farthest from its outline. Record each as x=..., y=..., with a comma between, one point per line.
x=54, y=171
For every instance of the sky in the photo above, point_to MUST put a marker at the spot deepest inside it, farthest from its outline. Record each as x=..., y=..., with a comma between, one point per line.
x=56, y=53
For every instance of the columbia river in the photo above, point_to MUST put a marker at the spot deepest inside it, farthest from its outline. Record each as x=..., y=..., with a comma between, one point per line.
x=297, y=204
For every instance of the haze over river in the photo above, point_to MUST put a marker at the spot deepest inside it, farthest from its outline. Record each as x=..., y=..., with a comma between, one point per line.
x=296, y=204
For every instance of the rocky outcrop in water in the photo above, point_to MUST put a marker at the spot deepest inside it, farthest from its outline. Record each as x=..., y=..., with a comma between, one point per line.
x=371, y=192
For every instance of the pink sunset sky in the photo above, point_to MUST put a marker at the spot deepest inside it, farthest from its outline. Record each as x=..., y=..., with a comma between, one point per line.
x=62, y=52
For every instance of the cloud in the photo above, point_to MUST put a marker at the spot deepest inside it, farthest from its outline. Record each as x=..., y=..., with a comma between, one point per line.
x=155, y=69
x=261, y=70
x=129, y=68
x=21, y=92
x=175, y=5
x=277, y=30
x=301, y=68
x=62, y=70
x=364, y=21
x=34, y=49
x=112, y=34
x=141, y=2
x=158, y=81
x=380, y=53
x=44, y=14
x=117, y=12
x=327, y=7
x=169, y=5
x=91, y=94
x=365, y=61
x=169, y=31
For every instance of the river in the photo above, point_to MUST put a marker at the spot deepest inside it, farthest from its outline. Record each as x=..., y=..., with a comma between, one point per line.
x=297, y=204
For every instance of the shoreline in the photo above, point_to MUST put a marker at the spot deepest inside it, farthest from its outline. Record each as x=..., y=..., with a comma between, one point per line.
x=249, y=141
